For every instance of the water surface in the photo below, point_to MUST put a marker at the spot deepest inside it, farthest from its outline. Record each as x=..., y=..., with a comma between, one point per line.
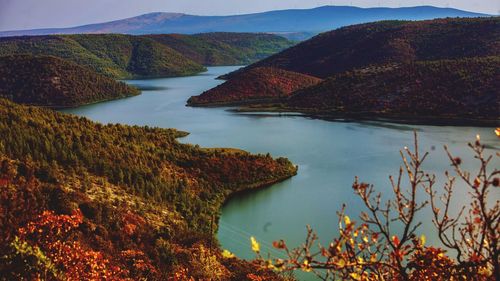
x=329, y=155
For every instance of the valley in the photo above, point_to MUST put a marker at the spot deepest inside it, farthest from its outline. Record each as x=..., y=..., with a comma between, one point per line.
x=260, y=147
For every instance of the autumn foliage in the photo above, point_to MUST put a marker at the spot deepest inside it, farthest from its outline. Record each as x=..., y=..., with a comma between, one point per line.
x=256, y=86
x=385, y=244
x=430, y=71
x=85, y=201
x=65, y=259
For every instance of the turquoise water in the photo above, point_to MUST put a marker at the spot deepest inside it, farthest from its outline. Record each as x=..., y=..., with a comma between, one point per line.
x=329, y=156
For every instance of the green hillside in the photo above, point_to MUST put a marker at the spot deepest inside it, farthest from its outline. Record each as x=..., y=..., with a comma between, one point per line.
x=222, y=48
x=114, y=55
x=145, y=198
x=54, y=82
x=127, y=56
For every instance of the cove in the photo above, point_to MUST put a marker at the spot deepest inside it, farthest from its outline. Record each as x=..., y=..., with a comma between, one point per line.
x=329, y=155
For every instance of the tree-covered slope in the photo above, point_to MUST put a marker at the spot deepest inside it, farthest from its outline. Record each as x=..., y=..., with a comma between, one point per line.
x=383, y=42
x=126, y=56
x=224, y=48
x=465, y=88
x=444, y=68
x=147, y=201
x=54, y=82
x=262, y=84
x=114, y=55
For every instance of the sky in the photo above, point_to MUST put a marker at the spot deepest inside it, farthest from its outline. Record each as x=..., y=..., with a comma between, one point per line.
x=29, y=14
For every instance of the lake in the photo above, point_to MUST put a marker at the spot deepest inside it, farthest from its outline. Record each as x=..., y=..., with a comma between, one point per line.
x=329, y=156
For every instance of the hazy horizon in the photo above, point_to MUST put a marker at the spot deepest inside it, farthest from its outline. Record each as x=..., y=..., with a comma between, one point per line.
x=33, y=14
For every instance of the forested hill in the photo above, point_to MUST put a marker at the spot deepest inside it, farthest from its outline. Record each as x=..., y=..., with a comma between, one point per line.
x=261, y=84
x=54, y=82
x=117, y=56
x=125, y=203
x=425, y=70
x=467, y=89
x=224, y=48
x=383, y=42
x=126, y=56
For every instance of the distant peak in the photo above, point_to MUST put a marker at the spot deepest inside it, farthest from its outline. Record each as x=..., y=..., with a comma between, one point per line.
x=158, y=16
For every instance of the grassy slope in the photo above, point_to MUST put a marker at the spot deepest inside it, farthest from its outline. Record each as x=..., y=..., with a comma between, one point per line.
x=117, y=56
x=224, y=48
x=54, y=82
x=257, y=85
x=466, y=88
x=112, y=172
x=383, y=42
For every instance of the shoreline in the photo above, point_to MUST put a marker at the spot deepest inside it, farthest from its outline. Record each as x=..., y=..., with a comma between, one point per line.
x=258, y=186
x=245, y=190
x=242, y=108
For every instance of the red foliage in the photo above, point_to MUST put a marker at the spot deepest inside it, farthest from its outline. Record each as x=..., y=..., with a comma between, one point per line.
x=138, y=264
x=49, y=232
x=362, y=45
x=264, y=83
x=131, y=222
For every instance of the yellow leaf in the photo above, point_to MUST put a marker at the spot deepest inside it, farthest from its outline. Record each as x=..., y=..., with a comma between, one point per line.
x=270, y=265
x=306, y=267
x=226, y=254
x=347, y=220
x=355, y=276
x=422, y=239
x=255, y=245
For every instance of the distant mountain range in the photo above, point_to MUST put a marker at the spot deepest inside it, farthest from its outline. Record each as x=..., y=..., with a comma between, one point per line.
x=295, y=24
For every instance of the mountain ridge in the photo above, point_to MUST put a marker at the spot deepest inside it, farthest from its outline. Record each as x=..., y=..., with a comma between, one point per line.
x=291, y=20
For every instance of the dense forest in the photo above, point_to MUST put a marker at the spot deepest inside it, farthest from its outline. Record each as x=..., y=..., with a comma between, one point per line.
x=466, y=88
x=443, y=69
x=54, y=82
x=114, y=55
x=220, y=48
x=126, y=56
x=359, y=46
x=262, y=84
x=133, y=196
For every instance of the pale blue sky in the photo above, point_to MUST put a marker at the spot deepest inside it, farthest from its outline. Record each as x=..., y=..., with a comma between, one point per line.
x=25, y=14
